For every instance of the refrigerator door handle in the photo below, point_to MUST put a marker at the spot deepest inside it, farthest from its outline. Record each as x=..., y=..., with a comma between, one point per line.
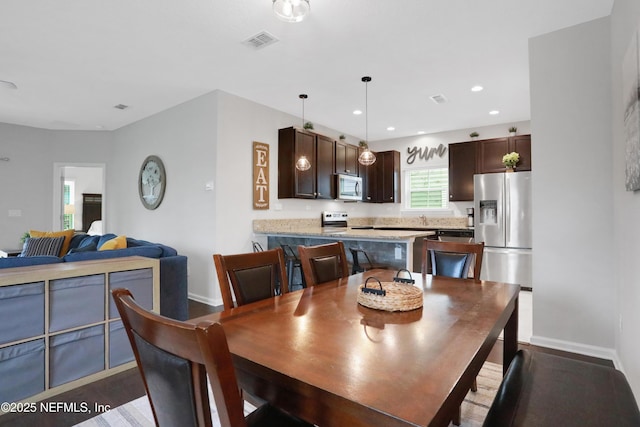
x=507, y=212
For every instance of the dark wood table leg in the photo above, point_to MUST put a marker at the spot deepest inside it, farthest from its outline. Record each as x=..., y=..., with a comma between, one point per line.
x=510, y=346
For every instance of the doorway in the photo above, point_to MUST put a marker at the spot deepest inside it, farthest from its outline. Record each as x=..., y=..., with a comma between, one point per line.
x=70, y=182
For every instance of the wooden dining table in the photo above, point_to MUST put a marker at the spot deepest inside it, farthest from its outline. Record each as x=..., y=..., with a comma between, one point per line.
x=320, y=355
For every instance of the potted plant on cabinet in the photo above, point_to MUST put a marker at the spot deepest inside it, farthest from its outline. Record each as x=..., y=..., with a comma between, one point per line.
x=308, y=126
x=510, y=160
x=474, y=135
x=513, y=130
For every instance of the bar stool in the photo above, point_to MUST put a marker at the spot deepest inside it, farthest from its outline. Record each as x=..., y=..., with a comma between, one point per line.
x=292, y=262
x=357, y=267
x=257, y=247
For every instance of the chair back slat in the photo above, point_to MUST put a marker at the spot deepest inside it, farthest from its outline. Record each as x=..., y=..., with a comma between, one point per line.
x=452, y=259
x=251, y=276
x=323, y=263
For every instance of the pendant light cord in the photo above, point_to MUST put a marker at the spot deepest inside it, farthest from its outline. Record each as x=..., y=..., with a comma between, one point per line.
x=366, y=80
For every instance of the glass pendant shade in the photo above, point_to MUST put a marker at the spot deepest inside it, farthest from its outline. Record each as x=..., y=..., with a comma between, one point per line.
x=303, y=164
x=366, y=158
x=291, y=10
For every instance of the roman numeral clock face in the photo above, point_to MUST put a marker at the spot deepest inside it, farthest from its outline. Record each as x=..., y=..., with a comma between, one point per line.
x=152, y=182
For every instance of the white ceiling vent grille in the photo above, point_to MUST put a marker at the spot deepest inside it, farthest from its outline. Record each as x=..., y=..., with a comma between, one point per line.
x=121, y=106
x=261, y=40
x=438, y=99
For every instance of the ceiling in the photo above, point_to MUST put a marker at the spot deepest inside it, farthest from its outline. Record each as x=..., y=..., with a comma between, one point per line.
x=74, y=60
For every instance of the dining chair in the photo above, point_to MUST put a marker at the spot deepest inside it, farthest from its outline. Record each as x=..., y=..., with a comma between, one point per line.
x=175, y=359
x=452, y=259
x=252, y=276
x=323, y=263
x=292, y=263
x=356, y=267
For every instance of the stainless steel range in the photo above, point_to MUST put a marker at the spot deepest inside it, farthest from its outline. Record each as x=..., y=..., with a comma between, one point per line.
x=334, y=219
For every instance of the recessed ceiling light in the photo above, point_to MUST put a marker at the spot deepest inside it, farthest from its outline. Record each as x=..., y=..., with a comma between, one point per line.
x=494, y=112
x=476, y=88
x=390, y=128
x=421, y=132
x=357, y=112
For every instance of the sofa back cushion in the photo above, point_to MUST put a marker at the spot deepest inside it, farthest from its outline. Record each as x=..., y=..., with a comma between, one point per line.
x=166, y=250
x=28, y=261
x=145, y=251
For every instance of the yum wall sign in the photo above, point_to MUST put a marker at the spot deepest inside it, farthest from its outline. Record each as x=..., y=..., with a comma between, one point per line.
x=424, y=153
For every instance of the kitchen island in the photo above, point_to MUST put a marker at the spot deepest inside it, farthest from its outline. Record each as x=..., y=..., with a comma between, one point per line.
x=391, y=247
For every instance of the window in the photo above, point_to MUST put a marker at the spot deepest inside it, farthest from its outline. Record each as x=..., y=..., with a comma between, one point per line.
x=69, y=206
x=427, y=188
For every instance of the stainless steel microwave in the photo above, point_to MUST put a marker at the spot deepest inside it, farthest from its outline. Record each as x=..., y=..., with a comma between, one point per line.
x=348, y=187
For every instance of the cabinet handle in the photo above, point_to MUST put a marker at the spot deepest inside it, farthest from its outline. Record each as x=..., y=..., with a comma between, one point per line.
x=318, y=194
x=451, y=196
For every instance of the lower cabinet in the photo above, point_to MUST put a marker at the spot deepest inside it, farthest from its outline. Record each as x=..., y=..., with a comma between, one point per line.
x=59, y=328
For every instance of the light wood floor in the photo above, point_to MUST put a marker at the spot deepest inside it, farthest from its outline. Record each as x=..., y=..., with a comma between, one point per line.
x=126, y=386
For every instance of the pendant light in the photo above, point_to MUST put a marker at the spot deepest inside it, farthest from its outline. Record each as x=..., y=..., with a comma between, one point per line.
x=302, y=164
x=291, y=10
x=366, y=158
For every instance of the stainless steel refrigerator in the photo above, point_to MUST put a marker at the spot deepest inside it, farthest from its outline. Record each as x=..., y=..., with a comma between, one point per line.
x=502, y=204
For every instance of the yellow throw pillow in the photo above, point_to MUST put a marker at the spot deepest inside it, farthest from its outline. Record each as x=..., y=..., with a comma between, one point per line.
x=119, y=242
x=67, y=234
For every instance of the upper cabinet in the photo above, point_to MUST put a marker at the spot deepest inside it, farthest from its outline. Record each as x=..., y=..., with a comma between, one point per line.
x=380, y=181
x=317, y=181
x=490, y=152
x=462, y=167
x=346, y=158
x=388, y=176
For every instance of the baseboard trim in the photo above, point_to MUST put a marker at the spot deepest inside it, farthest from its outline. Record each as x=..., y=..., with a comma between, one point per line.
x=209, y=301
x=574, y=347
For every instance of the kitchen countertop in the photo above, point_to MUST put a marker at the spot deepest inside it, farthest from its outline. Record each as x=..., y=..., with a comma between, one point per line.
x=388, y=233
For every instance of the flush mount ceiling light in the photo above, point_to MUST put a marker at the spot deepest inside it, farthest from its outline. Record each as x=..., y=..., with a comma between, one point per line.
x=303, y=164
x=366, y=158
x=8, y=85
x=291, y=10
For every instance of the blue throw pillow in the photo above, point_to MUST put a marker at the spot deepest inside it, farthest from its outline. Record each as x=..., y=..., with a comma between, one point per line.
x=92, y=247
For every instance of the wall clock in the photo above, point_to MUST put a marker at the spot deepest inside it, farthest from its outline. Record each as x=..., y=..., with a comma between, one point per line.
x=152, y=182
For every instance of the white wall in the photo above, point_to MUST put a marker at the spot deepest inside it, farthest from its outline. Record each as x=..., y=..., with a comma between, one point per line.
x=184, y=137
x=26, y=181
x=574, y=302
x=625, y=19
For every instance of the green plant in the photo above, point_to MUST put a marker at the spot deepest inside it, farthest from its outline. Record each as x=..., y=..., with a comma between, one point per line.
x=474, y=134
x=308, y=125
x=342, y=137
x=511, y=159
x=363, y=144
x=513, y=129
x=24, y=237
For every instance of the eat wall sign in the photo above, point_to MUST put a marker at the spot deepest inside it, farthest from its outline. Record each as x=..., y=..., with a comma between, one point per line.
x=260, y=175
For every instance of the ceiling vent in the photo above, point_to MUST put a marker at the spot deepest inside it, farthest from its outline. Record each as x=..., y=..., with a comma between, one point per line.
x=261, y=40
x=121, y=106
x=438, y=99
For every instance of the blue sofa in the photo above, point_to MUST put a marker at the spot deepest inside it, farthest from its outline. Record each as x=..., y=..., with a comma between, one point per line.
x=173, y=267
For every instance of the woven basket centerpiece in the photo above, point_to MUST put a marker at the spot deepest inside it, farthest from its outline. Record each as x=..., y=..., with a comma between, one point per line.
x=399, y=295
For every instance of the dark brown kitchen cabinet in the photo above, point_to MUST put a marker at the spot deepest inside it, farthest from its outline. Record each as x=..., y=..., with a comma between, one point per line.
x=369, y=181
x=346, y=158
x=388, y=176
x=325, y=164
x=317, y=181
x=462, y=167
x=490, y=152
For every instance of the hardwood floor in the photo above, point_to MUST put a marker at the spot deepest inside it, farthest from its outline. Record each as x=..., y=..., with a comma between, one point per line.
x=126, y=386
